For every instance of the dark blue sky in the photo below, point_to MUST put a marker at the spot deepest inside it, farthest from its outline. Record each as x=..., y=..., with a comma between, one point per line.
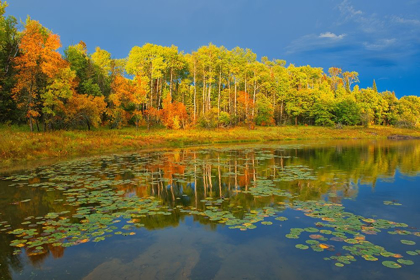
x=380, y=39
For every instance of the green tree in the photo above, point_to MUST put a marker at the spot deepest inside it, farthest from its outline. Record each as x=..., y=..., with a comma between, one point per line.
x=375, y=89
x=265, y=111
x=9, y=49
x=347, y=112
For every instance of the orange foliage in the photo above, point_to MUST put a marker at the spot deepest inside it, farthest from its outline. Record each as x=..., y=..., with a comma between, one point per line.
x=39, y=61
x=245, y=106
x=85, y=109
x=121, y=93
x=174, y=114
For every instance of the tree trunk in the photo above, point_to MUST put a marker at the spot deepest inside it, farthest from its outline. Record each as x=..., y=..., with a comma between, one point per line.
x=281, y=112
x=31, y=124
x=230, y=97
x=158, y=93
x=204, y=92
x=195, y=94
x=254, y=99
x=246, y=101
x=218, y=97
x=236, y=92
x=209, y=98
x=88, y=124
x=170, y=86
x=151, y=86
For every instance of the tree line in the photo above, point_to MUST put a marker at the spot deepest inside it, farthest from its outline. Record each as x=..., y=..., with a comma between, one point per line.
x=158, y=85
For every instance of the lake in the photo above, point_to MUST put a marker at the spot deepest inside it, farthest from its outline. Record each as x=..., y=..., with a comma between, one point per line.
x=289, y=210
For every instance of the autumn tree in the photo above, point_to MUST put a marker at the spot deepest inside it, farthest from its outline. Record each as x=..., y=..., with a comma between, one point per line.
x=350, y=78
x=409, y=111
x=174, y=114
x=139, y=98
x=121, y=93
x=56, y=95
x=335, y=77
x=83, y=109
x=37, y=67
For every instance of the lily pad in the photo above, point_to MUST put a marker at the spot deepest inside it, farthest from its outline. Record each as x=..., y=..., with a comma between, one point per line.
x=405, y=262
x=302, y=247
x=408, y=242
x=391, y=264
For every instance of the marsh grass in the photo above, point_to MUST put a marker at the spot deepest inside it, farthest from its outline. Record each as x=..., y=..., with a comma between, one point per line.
x=17, y=144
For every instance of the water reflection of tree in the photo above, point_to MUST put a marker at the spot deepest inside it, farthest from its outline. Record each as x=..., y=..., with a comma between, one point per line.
x=186, y=177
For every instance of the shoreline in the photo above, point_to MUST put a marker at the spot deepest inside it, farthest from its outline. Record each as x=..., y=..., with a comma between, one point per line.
x=20, y=147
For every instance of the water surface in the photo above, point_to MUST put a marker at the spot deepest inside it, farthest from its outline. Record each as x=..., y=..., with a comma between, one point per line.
x=341, y=209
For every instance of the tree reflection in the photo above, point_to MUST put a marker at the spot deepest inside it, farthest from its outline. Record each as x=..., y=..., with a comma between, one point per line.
x=186, y=177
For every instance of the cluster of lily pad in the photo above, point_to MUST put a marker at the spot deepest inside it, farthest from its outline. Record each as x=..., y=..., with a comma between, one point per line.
x=341, y=226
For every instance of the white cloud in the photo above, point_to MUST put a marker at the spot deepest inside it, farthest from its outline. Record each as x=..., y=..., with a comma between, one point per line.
x=380, y=44
x=405, y=21
x=332, y=36
x=348, y=10
x=367, y=23
x=313, y=42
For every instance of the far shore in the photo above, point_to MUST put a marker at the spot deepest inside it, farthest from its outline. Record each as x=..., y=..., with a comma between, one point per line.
x=21, y=147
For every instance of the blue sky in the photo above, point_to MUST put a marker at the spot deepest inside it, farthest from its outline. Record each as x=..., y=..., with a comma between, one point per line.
x=380, y=39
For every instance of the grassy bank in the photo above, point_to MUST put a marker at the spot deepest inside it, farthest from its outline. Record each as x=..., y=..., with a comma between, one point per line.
x=17, y=145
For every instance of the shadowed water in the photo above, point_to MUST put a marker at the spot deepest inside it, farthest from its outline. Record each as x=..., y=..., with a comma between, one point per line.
x=341, y=209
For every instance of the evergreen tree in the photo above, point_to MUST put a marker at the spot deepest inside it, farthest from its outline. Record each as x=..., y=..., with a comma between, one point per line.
x=375, y=89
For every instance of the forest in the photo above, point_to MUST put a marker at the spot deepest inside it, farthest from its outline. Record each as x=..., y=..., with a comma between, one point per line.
x=211, y=87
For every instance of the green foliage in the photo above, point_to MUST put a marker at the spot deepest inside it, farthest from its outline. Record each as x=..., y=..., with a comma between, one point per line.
x=347, y=112
x=374, y=87
x=265, y=111
x=225, y=119
x=89, y=87
x=209, y=120
x=323, y=114
x=9, y=40
x=409, y=111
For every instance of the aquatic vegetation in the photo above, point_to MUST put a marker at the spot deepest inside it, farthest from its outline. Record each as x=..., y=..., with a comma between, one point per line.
x=92, y=200
x=387, y=202
x=408, y=242
x=391, y=264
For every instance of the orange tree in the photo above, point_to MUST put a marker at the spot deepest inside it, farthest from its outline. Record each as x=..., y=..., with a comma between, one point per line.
x=174, y=114
x=37, y=67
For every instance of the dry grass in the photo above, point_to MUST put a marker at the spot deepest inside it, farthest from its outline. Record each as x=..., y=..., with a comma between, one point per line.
x=17, y=145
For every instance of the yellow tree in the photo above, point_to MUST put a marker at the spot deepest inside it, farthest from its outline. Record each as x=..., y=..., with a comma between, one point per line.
x=139, y=98
x=56, y=94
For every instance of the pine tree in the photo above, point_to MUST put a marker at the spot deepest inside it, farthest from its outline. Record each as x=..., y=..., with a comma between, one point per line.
x=374, y=86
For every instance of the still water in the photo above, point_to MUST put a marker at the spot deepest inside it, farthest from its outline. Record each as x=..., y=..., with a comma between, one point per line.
x=304, y=210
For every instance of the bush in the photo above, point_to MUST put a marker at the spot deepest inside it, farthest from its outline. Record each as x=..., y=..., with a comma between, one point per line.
x=405, y=123
x=209, y=120
x=224, y=119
